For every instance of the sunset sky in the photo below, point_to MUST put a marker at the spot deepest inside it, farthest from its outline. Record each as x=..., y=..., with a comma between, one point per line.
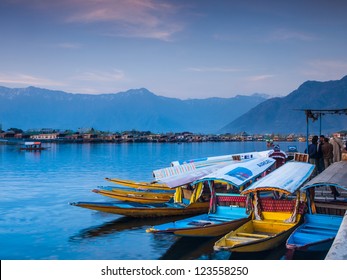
x=178, y=48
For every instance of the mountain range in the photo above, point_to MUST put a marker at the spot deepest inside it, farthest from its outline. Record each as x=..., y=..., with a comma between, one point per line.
x=137, y=109
x=141, y=109
x=283, y=115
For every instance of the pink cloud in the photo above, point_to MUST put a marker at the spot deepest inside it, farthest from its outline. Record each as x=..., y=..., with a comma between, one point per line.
x=129, y=18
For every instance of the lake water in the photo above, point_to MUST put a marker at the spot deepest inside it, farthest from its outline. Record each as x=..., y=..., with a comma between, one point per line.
x=37, y=222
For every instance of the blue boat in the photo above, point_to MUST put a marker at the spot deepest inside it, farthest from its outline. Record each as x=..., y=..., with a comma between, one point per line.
x=227, y=210
x=325, y=214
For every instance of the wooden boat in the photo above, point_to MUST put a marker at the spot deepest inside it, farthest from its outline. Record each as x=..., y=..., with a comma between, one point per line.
x=325, y=213
x=160, y=174
x=206, y=161
x=138, y=210
x=136, y=194
x=32, y=146
x=156, y=195
x=134, y=184
x=227, y=210
x=182, y=167
x=187, y=199
x=274, y=217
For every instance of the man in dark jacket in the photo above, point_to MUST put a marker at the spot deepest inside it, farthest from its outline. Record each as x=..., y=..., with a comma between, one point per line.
x=313, y=152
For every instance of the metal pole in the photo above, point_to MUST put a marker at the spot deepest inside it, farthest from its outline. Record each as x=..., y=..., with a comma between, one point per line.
x=320, y=124
x=306, y=131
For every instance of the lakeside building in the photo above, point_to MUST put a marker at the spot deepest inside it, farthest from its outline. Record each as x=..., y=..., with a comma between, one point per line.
x=133, y=136
x=48, y=136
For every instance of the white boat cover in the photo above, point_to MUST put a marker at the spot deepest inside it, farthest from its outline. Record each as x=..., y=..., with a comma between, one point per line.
x=241, y=172
x=32, y=143
x=172, y=171
x=334, y=175
x=287, y=179
x=222, y=159
x=190, y=176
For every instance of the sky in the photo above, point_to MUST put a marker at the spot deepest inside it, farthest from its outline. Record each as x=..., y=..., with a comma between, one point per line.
x=179, y=48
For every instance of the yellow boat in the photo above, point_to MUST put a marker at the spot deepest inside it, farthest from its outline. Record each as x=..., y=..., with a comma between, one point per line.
x=158, y=175
x=274, y=217
x=227, y=208
x=187, y=200
x=141, y=185
x=136, y=195
x=259, y=235
x=137, y=210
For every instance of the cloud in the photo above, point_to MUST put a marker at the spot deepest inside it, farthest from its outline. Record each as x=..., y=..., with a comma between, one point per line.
x=25, y=79
x=291, y=35
x=130, y=18
x=115, y=75
x=213, y=69
x=127, y=18
x=260, y=78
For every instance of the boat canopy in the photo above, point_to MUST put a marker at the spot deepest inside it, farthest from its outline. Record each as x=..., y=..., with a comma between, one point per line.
x=173, y=170
x=241, y=172
x=190, y=176
x=286, y=179
x=200, y=162
x=333, y=176
x=32, y=143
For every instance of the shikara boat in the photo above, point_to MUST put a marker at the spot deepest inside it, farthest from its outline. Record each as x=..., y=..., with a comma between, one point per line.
x=142, y=194
x=138, y=210
x=277, y=210
x=136, y=194
x=183, y=167
x=227, y=210
x=134, y=184
x=206, y=161
x=325, y=212
x=159, y=174
x=31, y=146
x=187, y=199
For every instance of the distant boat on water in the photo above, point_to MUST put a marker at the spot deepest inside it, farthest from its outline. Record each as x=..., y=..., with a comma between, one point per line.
x=32, y=146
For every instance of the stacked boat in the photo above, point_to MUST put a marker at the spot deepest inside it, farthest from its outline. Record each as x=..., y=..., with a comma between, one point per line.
x=242, y=198
x=177, y=190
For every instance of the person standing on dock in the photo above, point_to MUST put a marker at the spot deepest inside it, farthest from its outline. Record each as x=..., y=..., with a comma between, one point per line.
x=337, y=147
x=313, y=152
x=328, y=155
x=320, y=158
x=327, y=149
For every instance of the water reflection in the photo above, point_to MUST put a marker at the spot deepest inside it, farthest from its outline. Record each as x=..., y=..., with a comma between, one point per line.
x=189, y=248
x=118, y=225
x=275, y=254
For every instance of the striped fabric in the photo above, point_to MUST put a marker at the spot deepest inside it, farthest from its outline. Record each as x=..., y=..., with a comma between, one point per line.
x=231, y=198
x=174, y=170
x=273, y=205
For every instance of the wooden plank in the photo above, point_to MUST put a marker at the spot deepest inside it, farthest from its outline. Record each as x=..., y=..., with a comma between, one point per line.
x=254, y=235
x=331, y=205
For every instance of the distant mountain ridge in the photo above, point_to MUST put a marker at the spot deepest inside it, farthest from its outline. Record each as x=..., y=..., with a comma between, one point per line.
x=138, y=109
x=283, y=115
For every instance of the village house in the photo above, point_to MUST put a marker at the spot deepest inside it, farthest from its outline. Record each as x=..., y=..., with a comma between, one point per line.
x=47, y=136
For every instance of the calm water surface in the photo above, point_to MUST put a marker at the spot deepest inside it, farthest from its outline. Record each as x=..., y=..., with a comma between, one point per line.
x=37, y=222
